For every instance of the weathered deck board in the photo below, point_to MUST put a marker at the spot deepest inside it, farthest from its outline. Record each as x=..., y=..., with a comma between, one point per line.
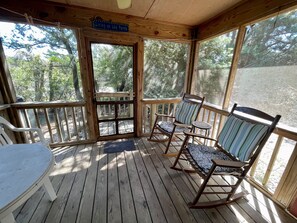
x=164, y=197
x=215, y=214
x=127, y=203
x=100, y=208
x=59, y=206
x=176, y=197
x=133, y=186
x=113, y=201
x=72, y=205
x=140, y=199
x=88, y=194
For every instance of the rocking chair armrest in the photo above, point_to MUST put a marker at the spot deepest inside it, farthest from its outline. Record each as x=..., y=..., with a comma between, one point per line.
x=229, y=163
x=188, y=133
x=164, y=115
x=182, y=125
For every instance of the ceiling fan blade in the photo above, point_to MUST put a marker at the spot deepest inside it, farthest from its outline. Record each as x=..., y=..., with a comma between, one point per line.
x=124, y=4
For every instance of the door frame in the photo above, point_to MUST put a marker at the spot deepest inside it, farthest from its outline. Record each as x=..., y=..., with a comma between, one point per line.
x=85, y=38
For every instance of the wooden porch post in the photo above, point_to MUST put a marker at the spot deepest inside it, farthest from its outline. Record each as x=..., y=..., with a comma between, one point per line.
x=234, y=65
x=139, y=85
x=87, y=84
x=191, y=63
x=8, y=94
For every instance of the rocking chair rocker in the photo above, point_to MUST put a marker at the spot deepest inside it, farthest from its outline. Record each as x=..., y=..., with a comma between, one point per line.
x=239, y=143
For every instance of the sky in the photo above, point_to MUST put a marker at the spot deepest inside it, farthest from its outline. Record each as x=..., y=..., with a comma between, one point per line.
x=6, y=29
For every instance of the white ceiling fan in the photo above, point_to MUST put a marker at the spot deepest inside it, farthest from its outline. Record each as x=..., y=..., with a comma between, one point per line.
x=124, y=4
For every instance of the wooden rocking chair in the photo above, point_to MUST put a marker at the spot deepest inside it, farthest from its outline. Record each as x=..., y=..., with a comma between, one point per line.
x=239, y=143
x=186, y=112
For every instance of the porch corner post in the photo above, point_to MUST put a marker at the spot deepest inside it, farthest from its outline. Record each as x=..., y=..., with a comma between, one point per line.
x=87, y=85
x=139, y=85
x=234, y=65
x=8, y=94
x=191, y=62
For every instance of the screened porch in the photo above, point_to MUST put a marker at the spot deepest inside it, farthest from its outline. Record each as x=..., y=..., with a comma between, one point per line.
x=84, y=86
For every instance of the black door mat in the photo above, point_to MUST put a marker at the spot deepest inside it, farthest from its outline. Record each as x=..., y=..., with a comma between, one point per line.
x=119, y=146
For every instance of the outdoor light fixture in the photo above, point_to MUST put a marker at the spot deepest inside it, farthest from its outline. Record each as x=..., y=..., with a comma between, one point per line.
x=124, y=4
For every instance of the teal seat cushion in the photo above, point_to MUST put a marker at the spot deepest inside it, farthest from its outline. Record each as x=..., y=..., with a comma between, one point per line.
x=186, y=112
x=241, y=138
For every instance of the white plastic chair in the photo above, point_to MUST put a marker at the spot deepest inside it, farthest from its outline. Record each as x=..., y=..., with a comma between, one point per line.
x=36, y=172
x=4, y=138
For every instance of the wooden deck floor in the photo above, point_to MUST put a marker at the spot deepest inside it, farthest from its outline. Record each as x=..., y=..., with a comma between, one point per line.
x=132, y=186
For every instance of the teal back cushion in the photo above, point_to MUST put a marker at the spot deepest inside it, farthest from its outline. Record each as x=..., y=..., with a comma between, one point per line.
x=186, y=112
x=241, y=138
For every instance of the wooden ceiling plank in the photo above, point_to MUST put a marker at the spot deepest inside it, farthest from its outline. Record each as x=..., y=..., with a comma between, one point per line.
x=80, y=17
x=190, y=12
x=243, y=14
x=138, y=8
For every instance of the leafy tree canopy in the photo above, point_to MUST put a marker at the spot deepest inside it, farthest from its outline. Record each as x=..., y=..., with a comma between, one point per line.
x=48, y=56
x=113, y=67
x=272, y=42
x=165, y=65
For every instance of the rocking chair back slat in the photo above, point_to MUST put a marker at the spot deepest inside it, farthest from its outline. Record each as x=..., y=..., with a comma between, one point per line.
x=186, y=112
x=241, y=138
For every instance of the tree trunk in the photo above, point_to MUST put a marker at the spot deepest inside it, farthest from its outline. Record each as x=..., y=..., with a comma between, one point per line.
x=39, y=84
x=51, y=84
x=74, y=69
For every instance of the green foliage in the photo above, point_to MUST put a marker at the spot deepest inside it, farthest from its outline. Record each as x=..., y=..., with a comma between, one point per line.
x=272, y=42
x=25, y=69
x=216, y=53
x=46, y=60
x=35, y=78
x=113, y=67
x=165, y=65
x=215, y=58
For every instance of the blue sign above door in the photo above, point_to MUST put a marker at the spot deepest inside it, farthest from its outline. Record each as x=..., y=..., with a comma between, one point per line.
x=110, y=26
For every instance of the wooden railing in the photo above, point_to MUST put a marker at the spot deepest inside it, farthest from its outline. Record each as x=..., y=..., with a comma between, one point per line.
x=60, y=122
x=152, y=106
x=107, y=110
x=274, y=173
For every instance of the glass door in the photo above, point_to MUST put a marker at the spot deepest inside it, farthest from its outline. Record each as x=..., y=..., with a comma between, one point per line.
x=113, y=70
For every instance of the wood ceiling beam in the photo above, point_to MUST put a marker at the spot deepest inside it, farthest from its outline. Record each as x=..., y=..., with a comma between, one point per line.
x=247, y=12
x=79, y=17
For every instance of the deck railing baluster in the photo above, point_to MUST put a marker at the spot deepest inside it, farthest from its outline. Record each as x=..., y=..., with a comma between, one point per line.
x=74, y=123
x=272, y=160
x=67, y=123
x=28, y=124
x=84, y=122
x=58, y=125
x=48, y=124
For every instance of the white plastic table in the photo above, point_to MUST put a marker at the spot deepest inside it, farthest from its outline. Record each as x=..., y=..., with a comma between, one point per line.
x=24, y=168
